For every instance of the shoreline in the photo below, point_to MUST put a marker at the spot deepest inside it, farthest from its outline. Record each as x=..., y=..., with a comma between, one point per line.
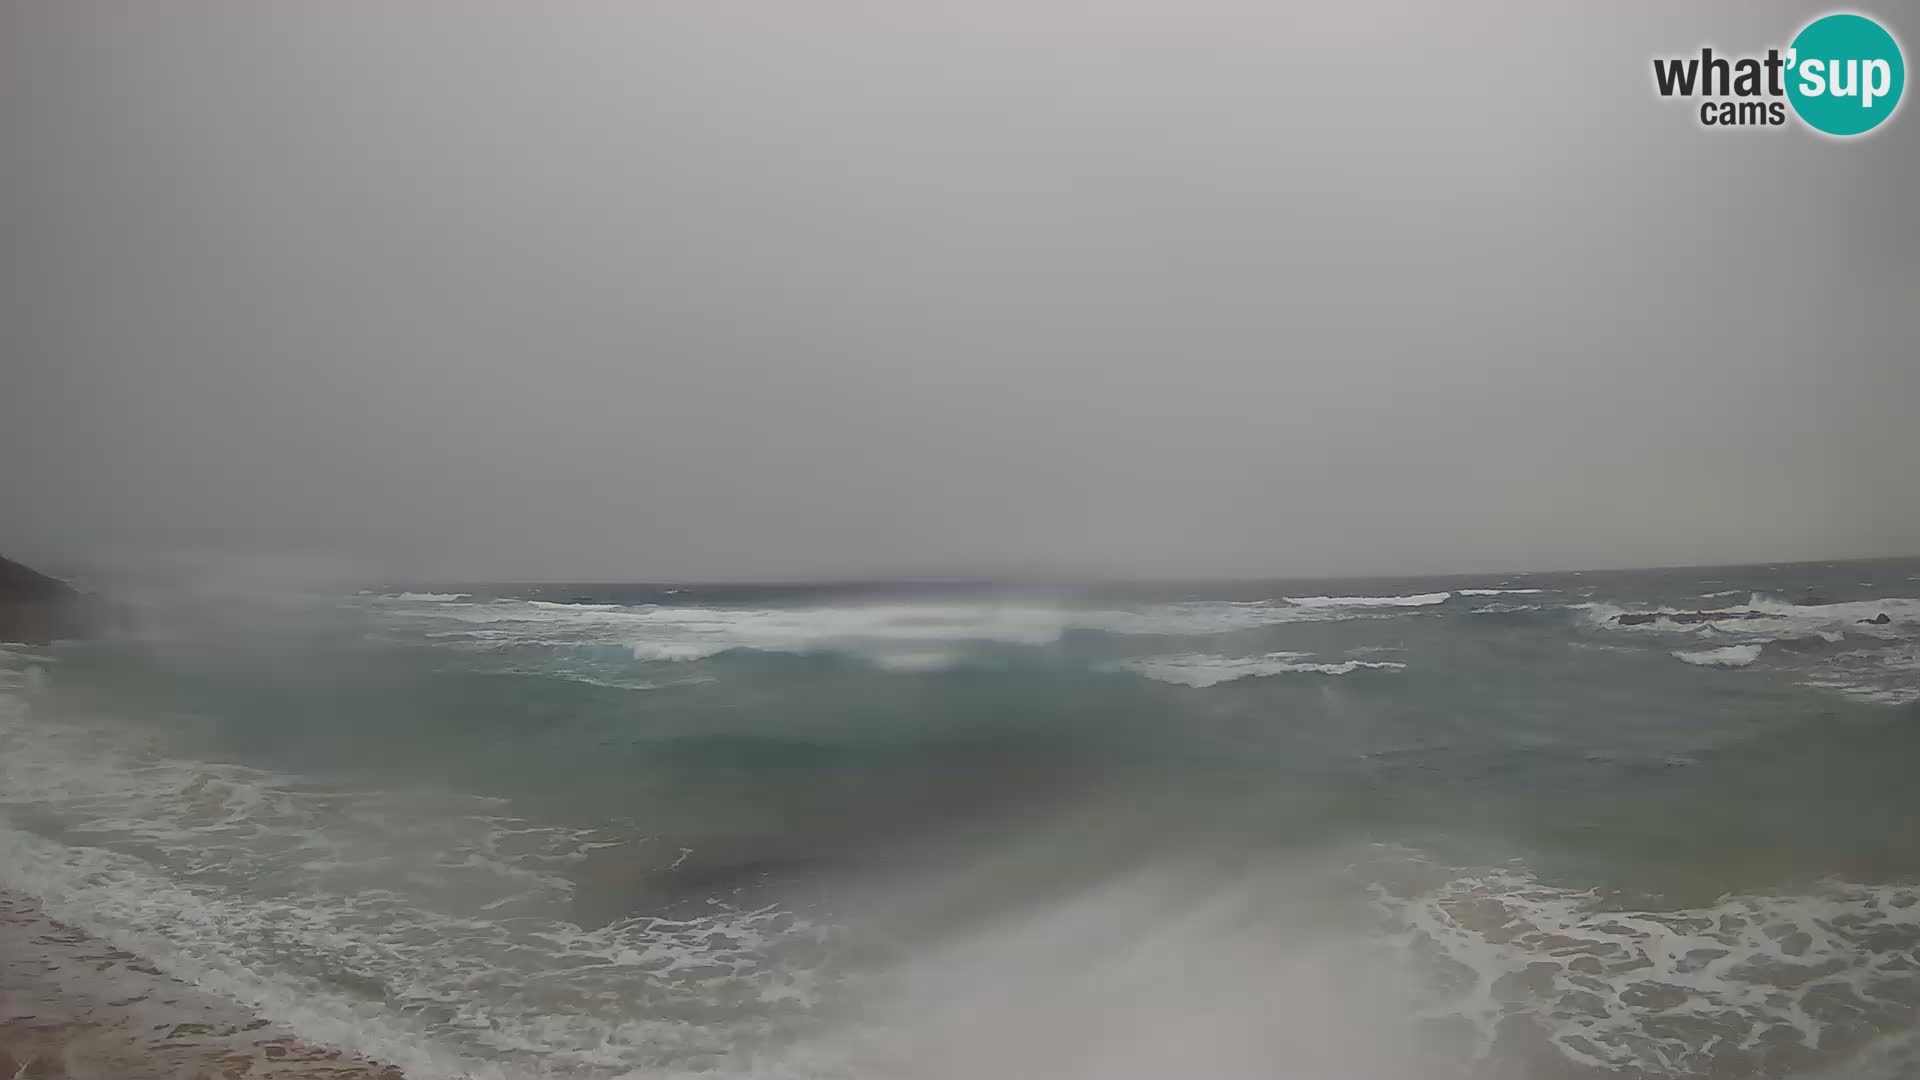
x=73, y=1007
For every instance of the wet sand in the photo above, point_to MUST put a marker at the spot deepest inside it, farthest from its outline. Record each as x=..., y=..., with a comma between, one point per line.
x=75, y=1008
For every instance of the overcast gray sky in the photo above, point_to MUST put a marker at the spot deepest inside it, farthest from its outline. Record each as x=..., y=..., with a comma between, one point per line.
x=699, y=289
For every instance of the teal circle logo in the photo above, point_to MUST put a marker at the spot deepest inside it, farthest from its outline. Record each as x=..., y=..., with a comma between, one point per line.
x=1845, y=74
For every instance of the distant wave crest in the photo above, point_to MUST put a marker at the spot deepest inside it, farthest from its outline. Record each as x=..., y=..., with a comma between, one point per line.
x=1416, y=600
x=1201, y=670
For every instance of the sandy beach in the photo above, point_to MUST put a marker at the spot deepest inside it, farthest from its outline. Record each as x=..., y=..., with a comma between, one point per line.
x=76, y=1008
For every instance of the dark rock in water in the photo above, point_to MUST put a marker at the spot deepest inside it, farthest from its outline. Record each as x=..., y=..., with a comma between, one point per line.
x=1687, y=618
x=1881, y=619
x=1812, y=600
x=36, y=609
x=1690, y=617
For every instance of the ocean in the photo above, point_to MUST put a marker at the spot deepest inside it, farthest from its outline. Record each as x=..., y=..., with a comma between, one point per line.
x=1366, y=830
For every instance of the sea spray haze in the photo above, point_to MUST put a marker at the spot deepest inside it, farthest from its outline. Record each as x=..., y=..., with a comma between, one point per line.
x=1393, y=829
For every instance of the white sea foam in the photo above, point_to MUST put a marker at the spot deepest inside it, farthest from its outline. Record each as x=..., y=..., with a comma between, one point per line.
x=430, y=597
x=1668, y=991
x=889, y=634
x=1200, y=670
x=1731, y=656
x=1875, y=676
x=426, y=929
x=670, y=651
x=1417, y=600
x=668, y=633
x=1903, y=615
x=23, y=654
x=1500, y=592
x=1203, y=617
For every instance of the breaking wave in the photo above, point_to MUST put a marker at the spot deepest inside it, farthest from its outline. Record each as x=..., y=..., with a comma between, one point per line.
x=894, y=636
x=1731, y=656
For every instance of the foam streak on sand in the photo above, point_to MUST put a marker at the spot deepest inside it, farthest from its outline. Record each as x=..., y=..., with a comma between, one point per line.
x=72, y=1006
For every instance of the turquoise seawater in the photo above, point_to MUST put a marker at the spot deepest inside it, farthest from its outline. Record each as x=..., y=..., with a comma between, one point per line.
x=1382, y=829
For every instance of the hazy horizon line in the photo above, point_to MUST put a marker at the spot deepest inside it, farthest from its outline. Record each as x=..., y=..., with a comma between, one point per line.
x=988, y=580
